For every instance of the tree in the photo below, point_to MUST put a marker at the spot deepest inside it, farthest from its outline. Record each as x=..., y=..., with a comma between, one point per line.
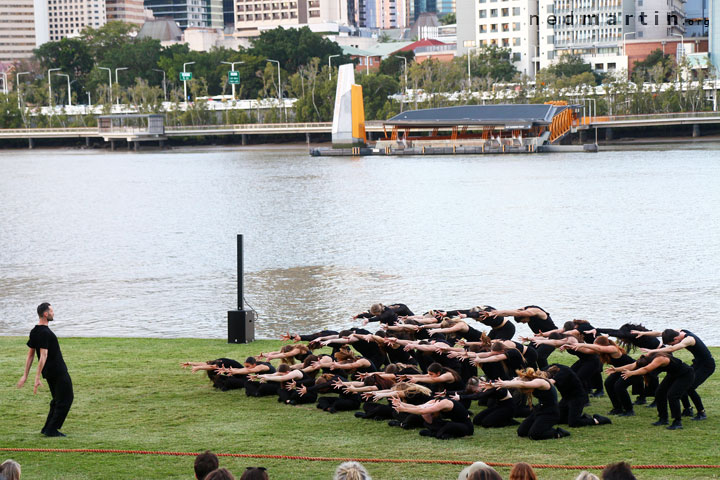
x=376, y=89
x=294, y=47
x=657, y=67
x=449, y=19
x=493, y=62
x=396, y=66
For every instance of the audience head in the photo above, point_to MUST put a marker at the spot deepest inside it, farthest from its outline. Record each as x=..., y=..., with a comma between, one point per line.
x=522, y=471
x=351, y=471
x=618, y=471
x=10, y=470
x=255, y=473
x=205, y=463
x=250, y=362
x=220, y=474
x=479, y=471
x=584, y=475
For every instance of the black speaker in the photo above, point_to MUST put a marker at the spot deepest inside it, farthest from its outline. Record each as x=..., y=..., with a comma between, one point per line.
x=241, y=326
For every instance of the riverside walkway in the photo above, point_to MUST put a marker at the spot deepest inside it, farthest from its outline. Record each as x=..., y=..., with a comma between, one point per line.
x=696, y=119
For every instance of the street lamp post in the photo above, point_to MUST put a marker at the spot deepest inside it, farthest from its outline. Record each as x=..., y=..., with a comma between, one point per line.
x=279, y=87
x=5, y=87
x=682, y=46
x=232, y=69
x=185, y=81
x=118, y=83
x=68, y=85
x=164, y=84
x=109, y=82
x=50, y=86
x=367, y=64
x=404, y=60
x=330, y=65
x=470, y=49
x=536, y=53
x=17, y=85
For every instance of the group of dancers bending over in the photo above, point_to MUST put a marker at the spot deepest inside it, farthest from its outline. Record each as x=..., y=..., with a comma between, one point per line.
x=421, y=371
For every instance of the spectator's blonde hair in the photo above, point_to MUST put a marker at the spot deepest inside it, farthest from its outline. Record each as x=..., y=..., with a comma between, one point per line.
x=10, y=470
x=584, y=475
x=351, y=471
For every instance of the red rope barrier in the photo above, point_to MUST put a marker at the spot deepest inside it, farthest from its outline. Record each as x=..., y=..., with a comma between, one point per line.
x=342, y=459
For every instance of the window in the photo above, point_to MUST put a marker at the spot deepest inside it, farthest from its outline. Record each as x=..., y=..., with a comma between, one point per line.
x=505, y=27
x=505, y=12
x=516, y=26
x=516, y=56
x=483, y=28
x=516, y=11
x=493, y=27
x=483, y=13
x=516, y=41
x=551, y=39
x=611, y=66
x=494, y=12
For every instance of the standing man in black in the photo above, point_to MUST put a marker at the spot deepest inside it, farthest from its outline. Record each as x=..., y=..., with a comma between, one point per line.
x=51, y=365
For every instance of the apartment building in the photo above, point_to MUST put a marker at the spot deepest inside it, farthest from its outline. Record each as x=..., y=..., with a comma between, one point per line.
x=383, y=14
x=17, y=30
x=504, y=23
x=70, y=17
x=189, y=13
x=254, y=16
x=128, y=11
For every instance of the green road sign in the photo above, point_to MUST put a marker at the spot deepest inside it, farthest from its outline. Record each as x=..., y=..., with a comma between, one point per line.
x=184, y=76
x=233, y=77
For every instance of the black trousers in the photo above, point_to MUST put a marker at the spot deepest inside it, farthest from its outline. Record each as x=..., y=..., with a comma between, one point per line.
x=445, y=429
x=258, y=389
x=617, y=390
x=671, y=389
x=543, y=352
x=571, y=411
x=499, y=415
x=61, y=390
x=702, y=372
x=539, y=425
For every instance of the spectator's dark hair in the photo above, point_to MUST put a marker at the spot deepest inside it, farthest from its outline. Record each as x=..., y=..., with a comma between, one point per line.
x=205, y=463
x=255, y=473
x=251, y=360
x=220, y=474
x=486, y=473
x=283, y=368
x=618, y=471
x=669, y=335
x=42, y=308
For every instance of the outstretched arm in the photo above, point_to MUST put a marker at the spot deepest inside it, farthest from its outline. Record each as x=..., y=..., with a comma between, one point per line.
x=28, y=364
x=684, y=343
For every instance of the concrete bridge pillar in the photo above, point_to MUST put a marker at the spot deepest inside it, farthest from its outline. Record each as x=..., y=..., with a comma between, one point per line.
x=696, y=130
x=30, y=143
x=608, y=134
x=87, y=141
x=582, y=134
x=112, y=145
x=243, y=138
x=307, y=137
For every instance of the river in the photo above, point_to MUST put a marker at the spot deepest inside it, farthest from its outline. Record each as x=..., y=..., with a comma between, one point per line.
x=143, y=244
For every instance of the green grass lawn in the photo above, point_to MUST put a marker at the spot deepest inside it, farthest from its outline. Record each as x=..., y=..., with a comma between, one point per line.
x=131, y=394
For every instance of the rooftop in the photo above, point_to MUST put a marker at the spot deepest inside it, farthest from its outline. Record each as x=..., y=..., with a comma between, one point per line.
x=508, y=115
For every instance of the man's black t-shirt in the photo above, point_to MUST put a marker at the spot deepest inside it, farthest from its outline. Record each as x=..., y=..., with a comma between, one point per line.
x=42, y=337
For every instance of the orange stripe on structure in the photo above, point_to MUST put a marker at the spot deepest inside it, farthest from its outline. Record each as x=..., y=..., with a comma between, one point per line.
x=346, y=459
x=358, y=113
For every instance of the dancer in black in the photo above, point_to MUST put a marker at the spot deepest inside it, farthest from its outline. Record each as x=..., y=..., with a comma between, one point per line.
x=444, y=418
x=678, y=379
x=538, y=320
x=51, y=366
x=610, y=353
x=703, y=364
x=501, y=327
x=574, y=398
x=230, y=378
x=540, y=424
x=385, y=314
x=267, y=384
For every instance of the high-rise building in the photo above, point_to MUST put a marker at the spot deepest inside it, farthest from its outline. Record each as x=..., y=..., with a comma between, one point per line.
x=424, y=6
x=253, y=16
x=70, y=17
x=189, y=13
x=507, y=24
x=384, y=14
x=128, y=11
x=714, y=33
x=17, y=30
